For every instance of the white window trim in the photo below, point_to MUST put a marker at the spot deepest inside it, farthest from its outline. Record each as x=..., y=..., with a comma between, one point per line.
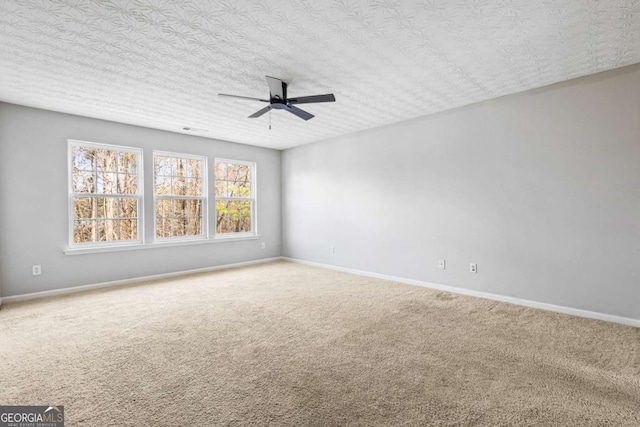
x=139, y=196
x=253, y=199
x=205, y=199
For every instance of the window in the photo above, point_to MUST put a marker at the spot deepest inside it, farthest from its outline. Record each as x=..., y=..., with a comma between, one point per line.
x=106, y=198
x=235, y=197
x=179, y=194
x=105, y=194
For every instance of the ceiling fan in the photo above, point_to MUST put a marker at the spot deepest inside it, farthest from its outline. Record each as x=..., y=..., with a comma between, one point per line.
x=278, y=100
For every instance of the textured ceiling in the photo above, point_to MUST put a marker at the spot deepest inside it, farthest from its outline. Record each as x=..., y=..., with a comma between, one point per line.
x=161, y=63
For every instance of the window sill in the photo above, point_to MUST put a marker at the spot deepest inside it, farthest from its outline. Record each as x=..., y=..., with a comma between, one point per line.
x=235, y=236
x=157, y=244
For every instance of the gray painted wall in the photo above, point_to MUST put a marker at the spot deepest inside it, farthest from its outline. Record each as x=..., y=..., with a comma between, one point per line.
x=541, y=189
x=33, y=207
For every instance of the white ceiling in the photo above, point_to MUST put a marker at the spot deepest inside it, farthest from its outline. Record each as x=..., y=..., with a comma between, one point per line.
x=161, y=63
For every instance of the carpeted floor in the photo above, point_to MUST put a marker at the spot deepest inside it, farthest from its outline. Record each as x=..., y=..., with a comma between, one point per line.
x=288, y=344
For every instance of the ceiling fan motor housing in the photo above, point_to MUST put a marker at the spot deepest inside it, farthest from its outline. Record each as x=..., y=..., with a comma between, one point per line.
x=275, y=98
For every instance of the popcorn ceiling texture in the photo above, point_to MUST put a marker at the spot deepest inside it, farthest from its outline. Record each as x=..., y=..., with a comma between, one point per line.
x=161, y=64
x=291, y=345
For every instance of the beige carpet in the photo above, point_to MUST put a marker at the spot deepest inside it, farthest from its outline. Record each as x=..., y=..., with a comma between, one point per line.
x=287, y=344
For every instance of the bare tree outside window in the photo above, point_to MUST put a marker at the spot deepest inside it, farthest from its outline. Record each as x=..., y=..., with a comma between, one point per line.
x=235, y=196
x=105, y=193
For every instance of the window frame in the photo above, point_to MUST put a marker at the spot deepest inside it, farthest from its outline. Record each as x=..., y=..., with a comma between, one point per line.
x=139, y=195
x=204, y=176
x=252, y=199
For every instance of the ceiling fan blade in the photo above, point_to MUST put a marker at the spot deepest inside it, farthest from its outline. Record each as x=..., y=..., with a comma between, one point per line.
x=300, y=113
x=277, y=88
x=260, y=112
x=311, y=99
x=243, y=97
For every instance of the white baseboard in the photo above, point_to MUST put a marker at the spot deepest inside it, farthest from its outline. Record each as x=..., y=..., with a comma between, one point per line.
x=495, y=297
x=63, y=291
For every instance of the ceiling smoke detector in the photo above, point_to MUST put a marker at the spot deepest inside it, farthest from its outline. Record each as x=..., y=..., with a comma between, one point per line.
x=191, y=129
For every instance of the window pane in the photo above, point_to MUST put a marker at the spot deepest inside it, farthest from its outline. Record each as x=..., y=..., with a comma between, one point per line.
x=127, y=162
x=129, y=229
x=163, y=207
x=84, y=182
x=107, y=207
x=178, y=186
x=83, y=207
x=221, y=216
x=233, y=189
x=83, y=231
x=127, y=183
x=244, y=189
x=161, y=165
x=221, y=189
x=234, y=208
x=224, y=225
x=195, y=227
x=181, y=167
x=82, y=157
x=245, y=208
x=194, y=187
x=221, y=170
x=106, y=160
x=179, y=227
x=194, y=208
x=194, y=167
x=233, y=224
x=128, y=207
x=107, y=183
x=130, y=185
x=244, y=173
x=239, y=189
x=108, y=230
x=163, y=185
x=179, y=207
x=163, y=226
x=172, y=163
x=233, y=216
x=232, y=172
x=245, y=224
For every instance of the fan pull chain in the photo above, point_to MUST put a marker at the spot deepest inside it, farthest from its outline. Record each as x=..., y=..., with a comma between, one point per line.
x=269, y=118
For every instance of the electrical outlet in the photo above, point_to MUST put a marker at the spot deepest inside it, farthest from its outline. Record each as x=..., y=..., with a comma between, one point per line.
x=264, y=245
x=442, y=264
x=36, y=270
x=473, y=267
x=332, y=250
